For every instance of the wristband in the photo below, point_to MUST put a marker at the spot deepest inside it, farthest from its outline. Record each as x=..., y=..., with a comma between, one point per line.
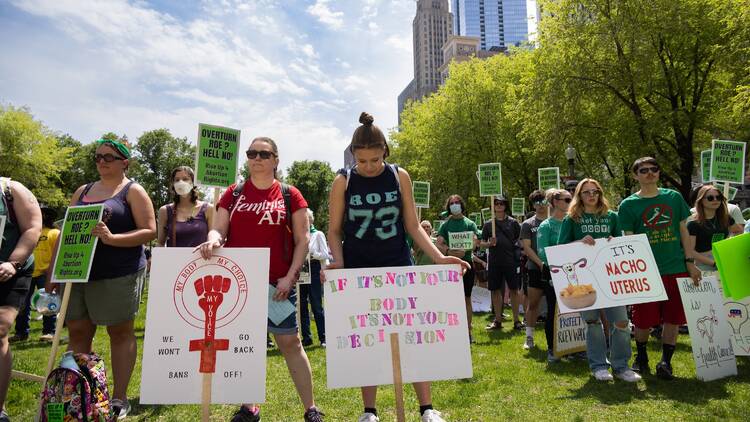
x=690, y=260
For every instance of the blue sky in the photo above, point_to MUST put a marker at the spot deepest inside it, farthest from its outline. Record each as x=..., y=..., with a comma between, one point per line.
x=297, y=71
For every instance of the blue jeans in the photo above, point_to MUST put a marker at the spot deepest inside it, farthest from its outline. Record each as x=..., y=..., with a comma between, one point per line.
x=619, y=339
x=313, y=293
x=24, y=315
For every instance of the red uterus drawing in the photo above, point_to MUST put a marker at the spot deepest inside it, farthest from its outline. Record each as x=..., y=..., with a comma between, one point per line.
x=210, y=290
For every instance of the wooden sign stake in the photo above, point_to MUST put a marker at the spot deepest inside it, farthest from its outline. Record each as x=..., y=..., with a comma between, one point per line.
x=397, y=382
x=206, y=397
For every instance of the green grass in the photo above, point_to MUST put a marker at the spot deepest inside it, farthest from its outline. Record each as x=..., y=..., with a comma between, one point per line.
x=508, y=383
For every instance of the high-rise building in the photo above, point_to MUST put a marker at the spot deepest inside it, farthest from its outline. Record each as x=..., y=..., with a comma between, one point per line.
x=430, y=29
x=497, y=23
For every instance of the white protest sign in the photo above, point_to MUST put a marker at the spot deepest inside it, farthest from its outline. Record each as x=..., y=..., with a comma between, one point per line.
x=423, y=304
x=481, y=300
x=206, y=316
x=736, y=312
x=709, y=332
x=569, y=333
x=621, y=271
x=461, y=240
x=304, y=272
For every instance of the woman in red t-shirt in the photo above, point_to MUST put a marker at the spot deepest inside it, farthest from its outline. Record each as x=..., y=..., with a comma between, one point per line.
x=257, y=218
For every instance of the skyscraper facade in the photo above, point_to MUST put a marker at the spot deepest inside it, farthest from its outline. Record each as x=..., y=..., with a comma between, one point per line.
x=497, y=23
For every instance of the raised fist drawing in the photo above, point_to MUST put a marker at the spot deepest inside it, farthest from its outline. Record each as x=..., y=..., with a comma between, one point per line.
x=211, y=290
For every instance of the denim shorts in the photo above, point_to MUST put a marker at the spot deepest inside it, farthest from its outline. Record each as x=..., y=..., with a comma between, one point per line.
x=289, y=325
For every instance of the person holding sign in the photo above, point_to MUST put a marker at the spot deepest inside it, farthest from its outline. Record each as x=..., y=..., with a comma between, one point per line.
x=503, y=261
x=113, y=293
x=661, y=214
x=548, y=234
x=23, y=224
x=710, y=224
x=590, y=218
x=186, y=221
x=457, y=237
x=256, y=214
x=371, y=209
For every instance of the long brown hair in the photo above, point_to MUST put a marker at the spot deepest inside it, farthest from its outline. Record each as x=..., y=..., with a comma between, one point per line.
x=368, y=135
x=193, y=192
x=577, y=208
x=722, y=213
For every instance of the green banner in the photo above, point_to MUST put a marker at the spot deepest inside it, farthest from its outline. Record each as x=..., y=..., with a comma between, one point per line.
x=549, y=177
x=490, y=179
x=476, y=217
x=486, y=214
x=461, y=240
x=216, y=155
x=706, y=166
x=76, y=247
x=518, y=206
x=421, y=194
x=727, y=161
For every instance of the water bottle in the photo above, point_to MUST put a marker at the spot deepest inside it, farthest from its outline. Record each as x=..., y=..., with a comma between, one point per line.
x=68, y=361
x=47, y=303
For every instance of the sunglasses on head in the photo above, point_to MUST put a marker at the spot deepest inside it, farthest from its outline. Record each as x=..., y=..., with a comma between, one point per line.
x=718, y=197
x=645, y=170
x=264, y=155
x=108, y=158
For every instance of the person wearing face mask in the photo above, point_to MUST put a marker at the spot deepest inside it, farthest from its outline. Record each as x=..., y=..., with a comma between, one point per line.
x=458, y=222
x=186, y=221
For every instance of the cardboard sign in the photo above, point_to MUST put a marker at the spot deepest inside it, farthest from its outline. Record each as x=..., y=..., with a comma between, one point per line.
x=461, y=240
x=728, y=161
x=518, y=207
x=731, y=256
x=304, y=272
x=421, y=194
x=486, y=214
x=709, y=332
x=423, y=304
x=476, y=217
x=706, y=166
x=618, y=272
x=549, y=177
x=206, y=316
x=569, y=333
x=2, y=229
x=75, y=251
x=216, y=155
x=737, y=314
x=490, y=179
x=481, y=299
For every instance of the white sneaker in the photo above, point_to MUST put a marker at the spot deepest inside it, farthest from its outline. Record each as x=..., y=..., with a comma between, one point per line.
x=628, y=375
x=529, y=343
x=368, y=417
x=432, y=415
x=121, y=408
x=603, y=375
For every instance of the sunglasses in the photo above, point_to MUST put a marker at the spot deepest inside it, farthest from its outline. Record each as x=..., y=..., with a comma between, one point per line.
x=108, y=158
x=539, y=202
x=592, y=192
x=712, y=198
x=568, y=200
x=645, y=170
x=264, y=155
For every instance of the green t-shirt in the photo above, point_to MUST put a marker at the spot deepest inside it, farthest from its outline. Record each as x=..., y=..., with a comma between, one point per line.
x=659, y=218
x=455, y=225
x=590, y=225
x=547, y=234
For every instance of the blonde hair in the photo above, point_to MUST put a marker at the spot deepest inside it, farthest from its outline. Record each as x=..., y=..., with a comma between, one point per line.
x=577, y=208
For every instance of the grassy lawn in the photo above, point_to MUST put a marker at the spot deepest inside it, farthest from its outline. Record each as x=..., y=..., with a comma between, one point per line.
x=508, y=383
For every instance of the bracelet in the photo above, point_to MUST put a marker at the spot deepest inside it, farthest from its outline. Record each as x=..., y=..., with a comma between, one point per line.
x=690, y=260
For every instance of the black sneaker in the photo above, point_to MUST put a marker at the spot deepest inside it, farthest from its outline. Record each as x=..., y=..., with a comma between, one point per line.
x=640, y=365
x=16, y=338
x=664, y=371
x=245, y=415
x=314, y=415
x=307, y=342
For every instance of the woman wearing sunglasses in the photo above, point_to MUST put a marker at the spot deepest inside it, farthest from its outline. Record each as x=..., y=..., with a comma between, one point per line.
x=710, y=223
x=590, y=218
x=118, y=271
x=255, y=216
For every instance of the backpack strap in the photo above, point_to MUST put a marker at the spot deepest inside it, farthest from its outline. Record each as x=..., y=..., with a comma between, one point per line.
x=172, y=223
x=394, y=169
x=286, y=193
x=7, y=195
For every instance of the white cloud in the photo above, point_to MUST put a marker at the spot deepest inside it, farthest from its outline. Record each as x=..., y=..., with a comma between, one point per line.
x=326, y=16
x=401, y=41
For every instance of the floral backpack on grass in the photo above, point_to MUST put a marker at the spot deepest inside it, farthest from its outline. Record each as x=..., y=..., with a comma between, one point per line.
x=77, y=395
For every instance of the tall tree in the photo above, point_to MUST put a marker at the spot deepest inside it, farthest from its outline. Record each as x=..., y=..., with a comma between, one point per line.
x=313, y=178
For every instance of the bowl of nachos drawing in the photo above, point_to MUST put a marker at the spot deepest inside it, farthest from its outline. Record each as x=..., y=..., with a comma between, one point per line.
x=576, y=295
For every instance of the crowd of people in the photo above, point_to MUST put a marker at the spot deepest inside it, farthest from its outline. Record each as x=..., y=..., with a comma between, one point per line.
x=373, y=223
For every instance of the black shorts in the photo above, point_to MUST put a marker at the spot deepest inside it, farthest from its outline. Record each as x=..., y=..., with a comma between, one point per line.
x=13, y=292
x=498, y=277
x=468, y=281
x=536, y=280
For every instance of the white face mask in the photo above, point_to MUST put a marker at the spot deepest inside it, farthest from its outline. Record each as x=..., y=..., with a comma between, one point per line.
x=455, y=209
x=182, y=187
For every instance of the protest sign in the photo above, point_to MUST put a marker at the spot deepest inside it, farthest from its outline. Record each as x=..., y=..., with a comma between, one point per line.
x=621, y=271
x=727, y=161
x=518, y=207
x=436, y=224
x=737, y=313
x=476, y=217
x=304, y=272
x=549, y=177
x=216, y=155
x=461, y=240
x=75, y=251
x=486, y=214
x=709, y=331
x=421, y=194
x=481, y=301
x=569, y=333
x=706, y=166
x=490, y=179
x=206, y=317
x=731, y=256
x=732, y=193
x=423, y=304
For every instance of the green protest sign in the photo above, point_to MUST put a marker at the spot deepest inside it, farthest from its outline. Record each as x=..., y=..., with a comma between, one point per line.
x=476, y=217
x=461, y=240
x=727, y=161
x=732, y=193
x=216, y=155
x=436, y=224
x=549, y=177
x=76, y=247
x=706, y=166
x=731, y=260
x=486, y=214
x=490, y=179
x=518, y=206
x=421, y=194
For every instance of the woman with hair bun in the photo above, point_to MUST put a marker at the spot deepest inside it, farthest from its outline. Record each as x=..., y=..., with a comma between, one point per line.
x=376, y=233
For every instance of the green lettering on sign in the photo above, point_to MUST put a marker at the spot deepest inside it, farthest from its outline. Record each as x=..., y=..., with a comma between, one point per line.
x=727, y=161
x=490, y=179
x=421, y=194
x=216, y=155
x=518, y=206
x=476, y=217
x=76, y=246
x=706, y=166
x=486, y=214
x=549, y=178
x=55, y=412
